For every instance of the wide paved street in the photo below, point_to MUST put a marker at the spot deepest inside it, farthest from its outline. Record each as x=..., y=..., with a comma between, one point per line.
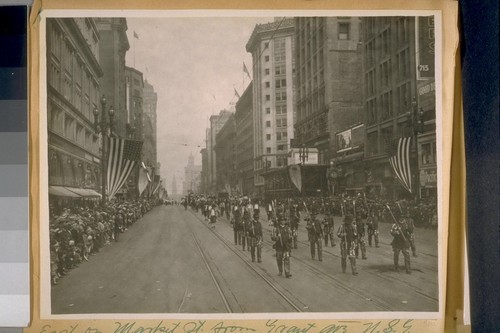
x=171, y=262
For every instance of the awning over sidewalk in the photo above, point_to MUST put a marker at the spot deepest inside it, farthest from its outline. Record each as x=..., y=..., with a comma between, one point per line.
x=84, y=192
x=61, y=191
x=73, y=192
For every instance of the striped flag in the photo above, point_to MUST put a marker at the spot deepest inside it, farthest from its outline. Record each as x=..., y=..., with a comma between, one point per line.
x=144, y=179
x=400, y=162
x=123, y=155
x=245, y=70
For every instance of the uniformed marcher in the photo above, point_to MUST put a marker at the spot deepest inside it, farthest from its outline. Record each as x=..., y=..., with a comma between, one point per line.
x=315, y=232
x=282, y=237
x=411, y=230
x=372, y=223
x=236, y=222
x=348, y=235
x=245, y=221
x=329, y=229
x=360, y=230
x=255, y=239
x=401, y=243
x=294, y=223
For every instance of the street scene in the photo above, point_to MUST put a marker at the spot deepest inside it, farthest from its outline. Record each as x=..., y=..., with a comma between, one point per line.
x=242, y=164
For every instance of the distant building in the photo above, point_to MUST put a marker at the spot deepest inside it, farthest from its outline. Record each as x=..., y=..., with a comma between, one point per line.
x=272, y=47
x=216, y=123
x=244, y=142
x=225, y=148
x=192, y=177
x=73, y=92
x=149, y=125
x=174, y=186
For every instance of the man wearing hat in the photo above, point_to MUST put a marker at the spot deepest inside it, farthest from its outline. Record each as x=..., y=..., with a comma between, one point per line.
x=315, y=236
x=347, y=234
x=255, y=239
x=401, y=243
x=294, y=223
x=282, y=236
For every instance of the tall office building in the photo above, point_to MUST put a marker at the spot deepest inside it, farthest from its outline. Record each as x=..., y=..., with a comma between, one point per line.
x=329, y=81
x=73, y=92
x=272, y=48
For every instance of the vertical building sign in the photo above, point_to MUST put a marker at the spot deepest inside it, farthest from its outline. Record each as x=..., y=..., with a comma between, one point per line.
x=425, y=43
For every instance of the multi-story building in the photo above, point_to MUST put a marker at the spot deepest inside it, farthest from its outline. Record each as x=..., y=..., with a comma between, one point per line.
x=216, y=123
x=73, y=92
x=134, y=86
x=329, y=81
x=244, y=142
x=272, y=48
x=113, y=45
x=149, y=130
x=192, y=177
x=174, y=186
x=391, y=102
x=225, y=150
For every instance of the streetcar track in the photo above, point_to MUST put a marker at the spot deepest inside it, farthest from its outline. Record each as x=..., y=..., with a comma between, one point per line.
x=244, y=259
x=209, y=269
x=387, y=278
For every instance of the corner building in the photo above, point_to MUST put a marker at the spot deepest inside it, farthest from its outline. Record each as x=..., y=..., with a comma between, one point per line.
x=73, y=90
x=272, y=47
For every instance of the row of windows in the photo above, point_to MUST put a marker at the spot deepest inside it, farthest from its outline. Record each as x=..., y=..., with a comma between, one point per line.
x=280, y=109
x=280, y=122
x=380, y=77
x=382, y=107
x=279, y=136
x=73, y=131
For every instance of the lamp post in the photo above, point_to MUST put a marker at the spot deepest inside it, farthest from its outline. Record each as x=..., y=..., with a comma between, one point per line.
x=104, y=126
x=303, y=154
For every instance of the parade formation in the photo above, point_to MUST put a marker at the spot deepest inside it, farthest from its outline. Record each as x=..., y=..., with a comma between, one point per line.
x=359, y=215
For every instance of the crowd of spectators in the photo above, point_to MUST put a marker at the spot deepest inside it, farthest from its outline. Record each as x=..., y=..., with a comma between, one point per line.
x=78, y=231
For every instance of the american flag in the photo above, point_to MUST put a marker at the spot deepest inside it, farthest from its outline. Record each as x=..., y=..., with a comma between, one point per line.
x=400, y=162
x=123, y=155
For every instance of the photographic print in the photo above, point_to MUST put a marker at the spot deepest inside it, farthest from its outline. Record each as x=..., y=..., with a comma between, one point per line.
x=241, y=162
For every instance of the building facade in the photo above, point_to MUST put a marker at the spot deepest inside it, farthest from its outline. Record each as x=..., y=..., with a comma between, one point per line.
x=272, y=47
x=192, y=177
x=73, y=92
x=329, y=81
x=216, y=123
x=225, y=150
x=113, y=45
x=391, y=101
x=149, y=126
x=245, y=142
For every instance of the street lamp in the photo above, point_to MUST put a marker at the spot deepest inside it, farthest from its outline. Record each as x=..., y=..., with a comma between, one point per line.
x=104, y=126
x=303, y=154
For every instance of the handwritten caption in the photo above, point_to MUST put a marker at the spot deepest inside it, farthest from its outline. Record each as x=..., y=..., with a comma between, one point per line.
x=271, y=326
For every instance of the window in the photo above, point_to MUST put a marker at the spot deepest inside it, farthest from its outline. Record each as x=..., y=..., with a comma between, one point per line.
x=281, y=109
x=268, y=84
x=372, y=139
x=344, y=31
x=266, y=58
x=428, y=153
x=278, y=136
x=281, y=147
x=268, y=110
x=268, y=123
x=69, y=128
x=280, y=83
x=266, y=45
x=281, y=96
x=268, y=97
x=267, y=71
x=268, y=136
x=280, y=70
x=268, y=150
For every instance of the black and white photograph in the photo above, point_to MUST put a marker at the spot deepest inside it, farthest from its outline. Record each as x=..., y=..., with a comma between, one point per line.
x=241, y=162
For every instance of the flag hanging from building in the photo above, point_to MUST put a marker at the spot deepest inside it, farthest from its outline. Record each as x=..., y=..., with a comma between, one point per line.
x=245, y=70
x=136, y=35
x=144, y=179
x=157, y=183
x=123, y=155
x=296, y=176
x=236, y=92
x=400, y=162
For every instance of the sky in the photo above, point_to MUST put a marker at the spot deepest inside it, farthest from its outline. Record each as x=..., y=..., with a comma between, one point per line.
x=194, y=65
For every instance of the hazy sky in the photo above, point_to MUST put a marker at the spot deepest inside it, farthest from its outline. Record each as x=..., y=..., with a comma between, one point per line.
x=189, y=61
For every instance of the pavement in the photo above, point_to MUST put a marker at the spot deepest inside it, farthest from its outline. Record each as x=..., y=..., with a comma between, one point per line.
x=170, y=261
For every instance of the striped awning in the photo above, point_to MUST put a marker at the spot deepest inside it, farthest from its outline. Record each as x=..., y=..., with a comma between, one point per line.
x=61, y=191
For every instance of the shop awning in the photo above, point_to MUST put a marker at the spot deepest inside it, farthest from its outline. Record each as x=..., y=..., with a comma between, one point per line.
x=61, y=191
x=84, y=192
